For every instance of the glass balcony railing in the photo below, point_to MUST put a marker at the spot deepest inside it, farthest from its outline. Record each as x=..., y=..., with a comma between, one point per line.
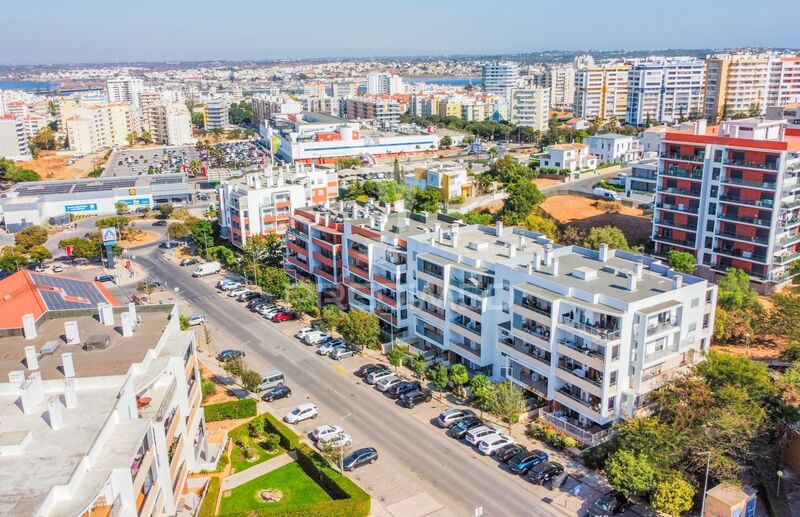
x=751, y=165
x=765, y=203
x=482, y=290
x=757, y=184
x=604, y=334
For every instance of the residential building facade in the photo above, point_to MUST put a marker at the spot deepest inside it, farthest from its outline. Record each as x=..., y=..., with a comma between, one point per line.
x=13, y=140
x=665, y=90
x=124, y=90
x=573, y=157
x=384, y=111
x=215, y=114
x=92, y=128
x=560, y=79
x=499, y=78
x=530, y=107
x=601, y=92
x=614, y=148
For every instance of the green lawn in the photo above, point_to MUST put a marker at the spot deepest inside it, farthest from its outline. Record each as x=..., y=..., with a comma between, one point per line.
x=239, y=463
x=298, y=490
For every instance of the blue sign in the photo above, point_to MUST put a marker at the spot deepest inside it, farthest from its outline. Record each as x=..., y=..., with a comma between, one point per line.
x=109, y=236
x=750, y=510
x=139, y=201
x=86, y=207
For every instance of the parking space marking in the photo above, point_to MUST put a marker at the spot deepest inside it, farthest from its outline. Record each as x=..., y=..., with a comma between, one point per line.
x=340, y=369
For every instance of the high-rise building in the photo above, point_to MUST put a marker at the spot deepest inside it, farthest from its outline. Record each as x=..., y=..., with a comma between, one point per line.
x=730, y=195
x=95, y=127
x=560, y=79
x=13, y=142
x=215, y=114
x=500, y=78
x=530, y=107
x=665, y=90
x=602, y=92
x=341, y=90
x=124, y=90
x=382, y=83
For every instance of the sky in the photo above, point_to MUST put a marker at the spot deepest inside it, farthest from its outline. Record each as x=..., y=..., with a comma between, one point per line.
x=87, y=31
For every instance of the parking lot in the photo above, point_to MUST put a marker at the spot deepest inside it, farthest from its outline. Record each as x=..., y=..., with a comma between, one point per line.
x=236, y=155
x=141, y=161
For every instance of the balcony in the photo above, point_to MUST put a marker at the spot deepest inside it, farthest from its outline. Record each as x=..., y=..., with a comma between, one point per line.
x=524, y=351
x=358, y=255
x=363, y=288
x=296, y=248
x=395, y=267
x=794, y=203
x=457, y=347
x=697, y=158
x=473, y=328
x=673, y=224
x=324, y=244
x=297, y=262
x=742, y=254
x=785, y=259
x=789, y=223
x=578, y=376
x=751, y=165
x=676, y=172
x=744, y=238
x=768, y=185
x=527, y=381
x=745, y=220
x=324, y=274
x=359, y=271
x=323, y=259
x=661, y=327
x=789, y=240
x=658, y=355
x=543, y=309
x=683, y=243
x=386, y=316
x=475, y=309
x=590, y=435
x=387, y=282
x=593, y=330
x=484, y=290
x=436, y=337
x=681, y=191
x=763, y=203
x=432, y=310
x=388, y=300
x=160, y=398
x=591, y=404
x=585, y=354
x=678, y=207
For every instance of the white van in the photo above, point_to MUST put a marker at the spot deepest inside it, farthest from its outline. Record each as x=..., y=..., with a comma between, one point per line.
x=605, y=194
x=271, y=380
x=209, y=268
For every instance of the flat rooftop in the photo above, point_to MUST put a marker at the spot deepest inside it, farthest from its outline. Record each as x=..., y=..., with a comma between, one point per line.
x=87, y=186
x=115, y=360
x=315, y=117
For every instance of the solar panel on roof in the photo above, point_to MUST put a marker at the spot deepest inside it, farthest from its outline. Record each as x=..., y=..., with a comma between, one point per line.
x=74, y=288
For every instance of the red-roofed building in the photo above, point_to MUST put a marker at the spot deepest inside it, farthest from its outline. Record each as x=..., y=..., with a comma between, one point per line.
x=26, y=292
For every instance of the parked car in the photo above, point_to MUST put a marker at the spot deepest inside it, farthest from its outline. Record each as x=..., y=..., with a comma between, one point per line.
x=58, y=268
x=104, y=278
x=303, y=332
x=313, y=338
x=300, y=413
x=398, y=390
x=490, y=444
x=246, y=297
x=366, y=369
x=282, y=316
x=341, y=353
x=229, y=354
x=197, y=319
x=189, y=261
x=337, y=441
x=325, y=431
x=329, y=346
x=474, y=436
x=377, y=375
x=450, y=417
x=267, y=308
x=255, y=303
x=558, y=480
x=160, y=222
x=544, y=472
x=506, y=452
x=387, y=382
x=360, y=457
x=277, y=393
x=414, y=398
x=80, y=261
x=612, y=503
x=271, y=379
x=460, y=430
x=236, y=292
x=524, y=461
x=230, y=286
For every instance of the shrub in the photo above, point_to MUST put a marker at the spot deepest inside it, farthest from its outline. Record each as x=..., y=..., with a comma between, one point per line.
x=210, y=501
x=250, y=453
x=230, y=410
x=209, y=388
x=272, y=441
x=555, y=439
x=288, y=438
x=255, y=429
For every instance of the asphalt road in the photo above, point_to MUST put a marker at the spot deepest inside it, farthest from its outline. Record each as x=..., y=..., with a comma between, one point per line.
x=448, y=471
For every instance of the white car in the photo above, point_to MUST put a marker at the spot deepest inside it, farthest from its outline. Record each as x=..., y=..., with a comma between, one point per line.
x=237, y=292
x=387, y=382
x=376, y=376
x=300, y=413
x=325, y=432
x=337, y=354
x=197, y=319
x=483, y=432
x=230, y=286
x=264, y=309
x=58, y=268
x=490, y=444
x=303, y=332
x=273, y=311
x=336, y=441
x=312, y=338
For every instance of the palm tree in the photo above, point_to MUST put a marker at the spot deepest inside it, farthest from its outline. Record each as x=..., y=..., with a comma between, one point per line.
x=493, y=153
x=483, y=182
x=194, y=166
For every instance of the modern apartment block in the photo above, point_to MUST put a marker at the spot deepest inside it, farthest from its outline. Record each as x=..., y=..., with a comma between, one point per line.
x=382, y=83
x=215, y=114
x=589, y=332
x=384, y=111
x=560, y=79
x=730, y=194
x=665, y=90
x=167, y=122
x=602, y=92
x=124, y=90
x=530, y=107
x=13, y=141
x=262, y=202
x=92, y=128
x=500, y=78
x=641, y=181
x=100, y=408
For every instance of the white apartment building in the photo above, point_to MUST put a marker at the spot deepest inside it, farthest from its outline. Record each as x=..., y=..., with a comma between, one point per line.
x=124, y=90
x=500, y=78
x=573, y=157
x=96, y=127
x=587, y=333
x=560, y=79
x=114, y=430
x=382, y=83
x=601, y=92
x=215, y=114
x=13, y=139
x=344, y=90
x=614, y=148
x=530, y=107
x=665, y=90
x=169, y=123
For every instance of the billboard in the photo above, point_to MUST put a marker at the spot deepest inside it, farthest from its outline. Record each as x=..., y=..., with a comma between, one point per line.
x=109, y=236
x=85, y=207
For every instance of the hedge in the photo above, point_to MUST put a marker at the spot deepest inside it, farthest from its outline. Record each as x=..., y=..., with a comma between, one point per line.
x=289, y=439
x=210, y=501
x=233, y=410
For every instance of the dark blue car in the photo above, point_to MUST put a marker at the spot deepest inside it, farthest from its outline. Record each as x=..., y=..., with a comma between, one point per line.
x=522, y=462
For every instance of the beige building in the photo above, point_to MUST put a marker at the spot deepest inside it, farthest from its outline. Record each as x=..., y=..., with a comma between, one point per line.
x=530, y=107
x=92, y=128
x=601, y=92
x=168, y=123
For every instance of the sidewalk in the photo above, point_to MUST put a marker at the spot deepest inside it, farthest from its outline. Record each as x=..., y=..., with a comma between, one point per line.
x=256, y=471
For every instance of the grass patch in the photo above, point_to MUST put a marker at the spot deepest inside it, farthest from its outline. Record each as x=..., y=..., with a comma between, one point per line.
x=232, y=410
x=210, y=501
x=252, y=438
x=239, y=461
x=298, y=490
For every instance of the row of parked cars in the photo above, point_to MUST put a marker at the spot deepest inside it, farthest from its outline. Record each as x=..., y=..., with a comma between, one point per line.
x=336, y=349
x=408, y=393
x=257, y=301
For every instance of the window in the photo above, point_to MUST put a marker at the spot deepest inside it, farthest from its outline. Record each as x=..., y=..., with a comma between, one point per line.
x=505, y=307
x=506, y=284
x=695, y=302
x=612, y=378
x=692, y=327
x=712, y=208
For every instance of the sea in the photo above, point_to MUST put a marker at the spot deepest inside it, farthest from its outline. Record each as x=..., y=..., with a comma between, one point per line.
x=29, y=86
x=445, y=81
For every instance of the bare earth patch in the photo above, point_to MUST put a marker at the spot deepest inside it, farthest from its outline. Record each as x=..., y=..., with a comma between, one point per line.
x=579, y=211
x=51, y=166
x=270, y=496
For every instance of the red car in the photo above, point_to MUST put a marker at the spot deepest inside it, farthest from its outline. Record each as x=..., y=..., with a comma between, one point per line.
x=284, y=316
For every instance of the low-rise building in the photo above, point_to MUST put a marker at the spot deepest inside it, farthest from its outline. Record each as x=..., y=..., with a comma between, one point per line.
x=451, y=181
x=573, y=157
x=385, y=111
x=614, y=148
x=641, y=181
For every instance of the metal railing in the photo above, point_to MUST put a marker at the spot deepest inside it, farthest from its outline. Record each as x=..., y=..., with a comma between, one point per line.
x=745, y=219
x=748, y=238
x=596, y=354
x=526, y=349
x=764, y=203
x=655, y=329
x=673, y=224
x=482, y=291
x=751, y=165
x=682, y=191
x=679, y=208
x=744, y=254
x=158, y=413
x=533, y=307
x=676, y=172
x=587, y=437
x=746, y=183
x=685, y=157
x=604, y=334
x=594, y=382
x=476, y=351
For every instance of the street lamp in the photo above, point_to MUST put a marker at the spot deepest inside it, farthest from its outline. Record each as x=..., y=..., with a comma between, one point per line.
x=705, y=484
x=341, y=444
x=780, y=475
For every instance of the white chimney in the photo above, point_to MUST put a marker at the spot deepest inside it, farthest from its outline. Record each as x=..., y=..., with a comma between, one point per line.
x=68, y=365
x=439, y=233
x=498, y=229
x=632, y=282
x=602, y=253
x=71, y=332
x=257, y=182
x=16, y=376
x=30, y=358
x=512, y=250
x=554, y=266
x=341, y=206
x=637, y=270
x=31, y=392
x=70, y=395
x=454, y=237
x=54, y=413
x=530, y=268
x=677, y=281
x=106, y=313
x=535, y=261
x=548, y=254
x=29, y=326
x=127, y=324
x=132, y=312
x=521, y=242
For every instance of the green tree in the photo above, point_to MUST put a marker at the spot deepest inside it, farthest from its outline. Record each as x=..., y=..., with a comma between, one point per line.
x=182, y=319
x=396, y=355
x=484, y=183
x=81, y=247
x=178, y=230
x=523, y=196
x=146, y=137
x=681, y=261
x=234, y=366
x=507, y=402
x=266, y=250
x=445, y=142
x=484, y=218
x=440, y=377
x=784, y=314
x=11, y=259
x=329, y=318
x=459, y=377
x=39, y=254
x=482, y=388
x=630, y=474
x=607, y=234
x=203, y=235
x=650, y=437
x=30, y=237
x=418, y=366
x=537, y=223
x=302, y=296
x=11, y=172
x=165, y=209
x=274, y=281
x=195, y=166
x=132, y=137
x=223, y=254
x=121, y=208
x=427, y=200
x=672, y=494
x=360, y=329
x=723, y=369
x=734, y=291
x=45, y=139
x=250, y=380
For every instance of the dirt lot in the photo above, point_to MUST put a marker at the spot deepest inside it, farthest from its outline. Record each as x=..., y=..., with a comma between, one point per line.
x=49, y=166
x=578, y=211
x=546, y=182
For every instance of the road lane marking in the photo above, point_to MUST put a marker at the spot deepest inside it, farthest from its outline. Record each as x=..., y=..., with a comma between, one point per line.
x=340, y=369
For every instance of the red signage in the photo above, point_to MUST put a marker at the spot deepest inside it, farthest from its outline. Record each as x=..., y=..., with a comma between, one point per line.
x=68, y=250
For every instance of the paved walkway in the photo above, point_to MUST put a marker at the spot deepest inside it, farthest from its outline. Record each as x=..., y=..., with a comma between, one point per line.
x=240, y=478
